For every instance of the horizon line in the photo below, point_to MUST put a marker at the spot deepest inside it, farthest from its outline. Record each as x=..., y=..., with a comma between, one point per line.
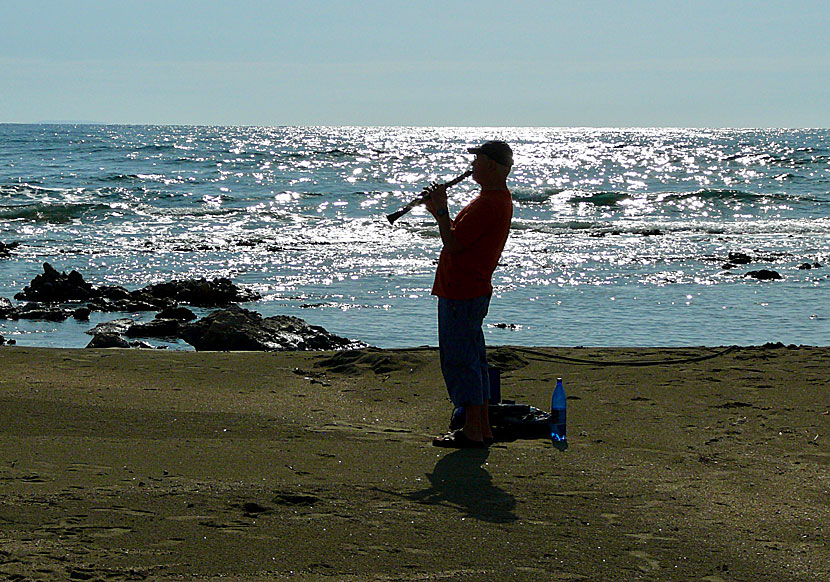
x=344, y=125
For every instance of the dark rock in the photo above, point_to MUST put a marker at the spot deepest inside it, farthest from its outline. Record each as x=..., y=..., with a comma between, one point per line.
x=5, y=342
x=41, y=312
x=139, y=301
x=81, y=314
x=104, y=305
x=236, y=328
x=739, y=258
x=220, y=292
x=772, y=257
x=652, y=232
x=54, y=287
x=177, y=313
x=6, y=249
x=108, y=340
x=727, y=266
x=112, y=292
x=5, y=307
x=805, y=266
x=133, y=306
x=101, y=305
x=163, y=328
x=772, y=346
x=114, y=327
x=32, y=310
x=764, y=275
x=142, y=345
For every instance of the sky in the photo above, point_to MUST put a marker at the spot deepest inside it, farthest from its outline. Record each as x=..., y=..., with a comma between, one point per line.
x=704, y=63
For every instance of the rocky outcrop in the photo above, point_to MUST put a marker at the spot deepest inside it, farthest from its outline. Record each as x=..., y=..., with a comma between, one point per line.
x=6, y=249
x=32, y=310
x=764, y=275
x=236, y=328
x=108, y=340
x=158, y=328
x=738, y=258
x=231, y=329
x=177, y=313
x=114, y=327
x=53, y=287
x=40, y=311
x=219, y=292
x=56, y=287
x=5, y=305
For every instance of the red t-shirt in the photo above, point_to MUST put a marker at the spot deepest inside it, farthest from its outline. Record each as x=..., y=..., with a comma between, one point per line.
x=481, y=228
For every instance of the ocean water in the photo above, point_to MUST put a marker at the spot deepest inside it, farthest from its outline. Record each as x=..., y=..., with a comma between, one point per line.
x=619, y=236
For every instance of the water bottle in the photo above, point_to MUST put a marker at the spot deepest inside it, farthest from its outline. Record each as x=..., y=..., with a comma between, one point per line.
x=558, y=412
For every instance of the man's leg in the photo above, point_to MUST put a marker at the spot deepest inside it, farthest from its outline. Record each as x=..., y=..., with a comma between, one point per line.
x=461, y=346
x=484, y=416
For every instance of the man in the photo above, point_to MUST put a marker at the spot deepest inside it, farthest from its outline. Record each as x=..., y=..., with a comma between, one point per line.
x=472, y=246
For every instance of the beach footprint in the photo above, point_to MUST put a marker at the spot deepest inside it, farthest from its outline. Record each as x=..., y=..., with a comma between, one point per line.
x=648, y=563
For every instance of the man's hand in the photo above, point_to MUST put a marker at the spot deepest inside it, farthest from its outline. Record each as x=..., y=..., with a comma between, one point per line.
x=436, y=198
x=437, y=201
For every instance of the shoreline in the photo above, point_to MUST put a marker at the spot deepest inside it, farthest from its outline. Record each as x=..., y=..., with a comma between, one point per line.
x=248, y=466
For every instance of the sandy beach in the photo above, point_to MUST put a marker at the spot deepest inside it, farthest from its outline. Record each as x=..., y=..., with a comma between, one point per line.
x=163, y=465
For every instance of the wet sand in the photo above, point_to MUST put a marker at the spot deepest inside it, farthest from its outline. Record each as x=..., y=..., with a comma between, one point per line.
x=155, y=465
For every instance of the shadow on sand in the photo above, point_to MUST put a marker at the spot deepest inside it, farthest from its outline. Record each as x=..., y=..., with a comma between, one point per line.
x=460, y=480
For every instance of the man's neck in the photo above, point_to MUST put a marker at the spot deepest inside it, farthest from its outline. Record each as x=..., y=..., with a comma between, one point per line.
x=493, y=185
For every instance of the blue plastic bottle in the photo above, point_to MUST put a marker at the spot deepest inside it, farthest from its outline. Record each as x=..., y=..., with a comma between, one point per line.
x=558, y=412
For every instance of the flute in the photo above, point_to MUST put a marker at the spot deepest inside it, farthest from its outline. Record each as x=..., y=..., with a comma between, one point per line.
x=422, y=198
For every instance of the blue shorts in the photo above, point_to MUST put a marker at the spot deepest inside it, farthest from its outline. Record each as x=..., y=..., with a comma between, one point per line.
x=462, y=350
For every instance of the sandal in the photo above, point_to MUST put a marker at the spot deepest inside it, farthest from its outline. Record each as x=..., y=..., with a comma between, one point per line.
x=457, y=440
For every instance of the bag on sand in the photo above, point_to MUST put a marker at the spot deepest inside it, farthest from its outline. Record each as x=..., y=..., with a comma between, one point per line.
x=511, y=421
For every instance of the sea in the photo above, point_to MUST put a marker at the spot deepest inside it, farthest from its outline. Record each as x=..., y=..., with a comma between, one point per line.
x=620, y=236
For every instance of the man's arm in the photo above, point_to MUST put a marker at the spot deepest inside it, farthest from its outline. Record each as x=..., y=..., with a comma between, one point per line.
x=437, y=205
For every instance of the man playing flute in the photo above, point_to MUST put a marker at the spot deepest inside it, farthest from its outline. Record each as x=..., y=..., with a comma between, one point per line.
x=472, y=245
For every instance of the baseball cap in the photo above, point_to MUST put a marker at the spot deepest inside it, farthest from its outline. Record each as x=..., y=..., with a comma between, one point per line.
x=496, y=150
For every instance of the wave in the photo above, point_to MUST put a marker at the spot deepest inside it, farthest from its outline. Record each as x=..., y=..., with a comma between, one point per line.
x=27, y=189
x=731, y=195
x=612, y=198
x=59, y=213
x=604, y=198
x=609, y=198
x=530, y=195
x=800, y=157
x=156, y=147
x=705, y=228
x=132, y=177
x=714, y=194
